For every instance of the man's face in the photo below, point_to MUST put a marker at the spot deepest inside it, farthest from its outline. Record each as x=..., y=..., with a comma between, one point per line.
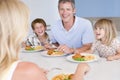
x=66, y=11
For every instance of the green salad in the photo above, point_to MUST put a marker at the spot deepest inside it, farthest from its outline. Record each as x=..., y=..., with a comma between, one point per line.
x=79, y=59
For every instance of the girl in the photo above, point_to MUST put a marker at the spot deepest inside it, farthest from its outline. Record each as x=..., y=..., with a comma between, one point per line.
x=107, y=44
x=40, y=37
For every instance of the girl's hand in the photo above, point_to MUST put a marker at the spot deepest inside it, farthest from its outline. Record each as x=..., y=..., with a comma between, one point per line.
x=110, y=58
x=44, y=71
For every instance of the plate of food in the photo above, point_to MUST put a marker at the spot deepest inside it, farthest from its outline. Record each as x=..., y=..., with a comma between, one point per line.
x=83, y=57
x=61, y=76
x=53, y=53
x=32, y=48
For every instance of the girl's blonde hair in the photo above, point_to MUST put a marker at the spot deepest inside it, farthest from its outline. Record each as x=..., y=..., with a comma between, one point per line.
x=109, y=27
x=14, y=16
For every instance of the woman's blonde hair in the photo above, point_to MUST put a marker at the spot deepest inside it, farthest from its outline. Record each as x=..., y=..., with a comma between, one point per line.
x=14, y=16
x=110, y=29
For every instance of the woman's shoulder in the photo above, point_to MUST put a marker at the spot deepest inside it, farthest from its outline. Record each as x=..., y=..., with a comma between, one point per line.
x=27, y=65
x=29, y=71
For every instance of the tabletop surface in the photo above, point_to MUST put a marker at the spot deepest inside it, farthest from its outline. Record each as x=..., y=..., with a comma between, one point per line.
x=100, y=70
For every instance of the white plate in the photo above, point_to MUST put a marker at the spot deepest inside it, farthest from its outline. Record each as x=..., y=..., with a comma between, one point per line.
x=30, y=51
x=44, y=53
x=69, y=58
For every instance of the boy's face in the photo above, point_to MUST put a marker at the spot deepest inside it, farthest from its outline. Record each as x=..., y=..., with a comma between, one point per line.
x=39, y=29
x=99, y=33
x=66, y=11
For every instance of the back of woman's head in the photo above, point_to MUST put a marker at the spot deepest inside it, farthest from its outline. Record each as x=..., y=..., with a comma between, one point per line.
x=14, y=17
x=109, y=27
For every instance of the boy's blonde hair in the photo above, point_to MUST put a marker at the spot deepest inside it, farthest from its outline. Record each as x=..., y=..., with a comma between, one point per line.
x=14, y=17
x=110, y=29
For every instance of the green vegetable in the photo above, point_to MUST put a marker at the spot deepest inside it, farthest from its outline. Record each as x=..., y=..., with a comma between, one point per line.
x=79, y=59
x=31, y=49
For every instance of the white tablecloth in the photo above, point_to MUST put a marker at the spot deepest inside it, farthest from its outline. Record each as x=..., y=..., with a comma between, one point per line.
x=100, y=70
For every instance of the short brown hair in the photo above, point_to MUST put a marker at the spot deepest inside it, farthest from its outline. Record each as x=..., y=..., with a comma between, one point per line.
x=38, y=20
x=64, y=1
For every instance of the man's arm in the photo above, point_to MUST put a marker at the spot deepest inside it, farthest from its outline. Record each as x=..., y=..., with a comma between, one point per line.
x=84, y=48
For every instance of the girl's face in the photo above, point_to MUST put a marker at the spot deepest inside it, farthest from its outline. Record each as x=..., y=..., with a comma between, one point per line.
x=99, y=33
x=66, y=11
x=39, y=29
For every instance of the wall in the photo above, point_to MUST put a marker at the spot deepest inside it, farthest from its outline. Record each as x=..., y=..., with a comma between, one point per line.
x=116, y=20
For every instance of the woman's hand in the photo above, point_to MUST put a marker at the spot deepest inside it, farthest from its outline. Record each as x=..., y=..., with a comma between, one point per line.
x=23, y=45
x=44, y=71
x=81, y=70
x=110, y=58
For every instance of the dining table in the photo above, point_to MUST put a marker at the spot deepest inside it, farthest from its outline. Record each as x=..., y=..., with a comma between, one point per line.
x=100, y=69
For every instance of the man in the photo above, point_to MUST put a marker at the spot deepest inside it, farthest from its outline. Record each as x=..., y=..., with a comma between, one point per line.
x=71, y=33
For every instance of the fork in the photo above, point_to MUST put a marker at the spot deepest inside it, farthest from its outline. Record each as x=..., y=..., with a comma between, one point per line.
x=33, y=41
x=55, y=68
x=29, y=42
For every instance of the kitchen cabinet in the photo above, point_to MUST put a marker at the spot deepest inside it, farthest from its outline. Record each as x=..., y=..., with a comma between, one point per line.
x=98, y=8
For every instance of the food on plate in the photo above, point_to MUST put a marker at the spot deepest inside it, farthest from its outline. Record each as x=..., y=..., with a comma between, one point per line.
x=70, y=76
x=78, y=57
x=63, y=77
x=31, y=48
x=38, y=47
x=89, y=57
x=50, y=51
x=82, y=57
x=54, y=52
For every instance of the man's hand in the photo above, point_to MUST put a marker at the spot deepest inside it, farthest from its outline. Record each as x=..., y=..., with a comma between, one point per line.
x=65, y=49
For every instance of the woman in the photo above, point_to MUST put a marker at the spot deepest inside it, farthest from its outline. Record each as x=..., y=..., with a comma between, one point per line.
x=14, y=17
